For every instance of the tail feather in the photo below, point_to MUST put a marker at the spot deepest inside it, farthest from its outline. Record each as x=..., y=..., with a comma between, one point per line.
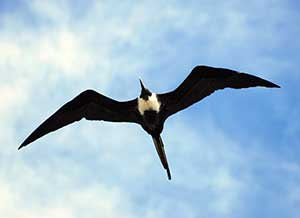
x=161, y=153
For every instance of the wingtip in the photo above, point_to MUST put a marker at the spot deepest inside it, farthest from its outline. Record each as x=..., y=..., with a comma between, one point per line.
x=22, y=145
x=272, y=85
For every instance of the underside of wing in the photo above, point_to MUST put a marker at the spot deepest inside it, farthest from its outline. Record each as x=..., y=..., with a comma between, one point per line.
x=203, y=81
x=90, y=105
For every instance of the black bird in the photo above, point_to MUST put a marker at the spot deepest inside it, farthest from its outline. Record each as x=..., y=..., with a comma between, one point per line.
x=149, y=110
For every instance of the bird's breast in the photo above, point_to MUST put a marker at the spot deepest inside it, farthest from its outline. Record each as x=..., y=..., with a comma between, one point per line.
x=152, y=103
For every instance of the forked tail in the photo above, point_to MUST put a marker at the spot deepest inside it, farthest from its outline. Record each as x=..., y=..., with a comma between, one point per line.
x=159, y=145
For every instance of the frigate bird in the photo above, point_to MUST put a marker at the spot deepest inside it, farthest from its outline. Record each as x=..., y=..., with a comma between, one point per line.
x=150, y=110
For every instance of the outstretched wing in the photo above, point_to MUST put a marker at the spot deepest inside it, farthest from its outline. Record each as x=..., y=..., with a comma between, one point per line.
x=90, y=105
x=203, y=81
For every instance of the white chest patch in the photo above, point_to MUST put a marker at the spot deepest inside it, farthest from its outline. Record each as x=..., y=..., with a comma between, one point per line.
x=151, y=104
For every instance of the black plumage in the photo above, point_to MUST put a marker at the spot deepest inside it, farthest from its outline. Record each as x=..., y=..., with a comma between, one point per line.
x=149, y=110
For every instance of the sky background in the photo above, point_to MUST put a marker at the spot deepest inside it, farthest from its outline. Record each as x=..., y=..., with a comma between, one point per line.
x=235, y=154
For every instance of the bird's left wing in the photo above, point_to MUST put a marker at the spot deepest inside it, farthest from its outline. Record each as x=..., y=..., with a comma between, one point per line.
x=90, y=105
x=203, y=81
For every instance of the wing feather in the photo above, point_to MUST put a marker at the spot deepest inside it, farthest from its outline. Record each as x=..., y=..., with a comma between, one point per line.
x=202, y=82
x=90, y=105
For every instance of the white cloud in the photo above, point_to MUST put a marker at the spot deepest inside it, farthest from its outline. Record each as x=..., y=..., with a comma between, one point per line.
x=43, y=64
x=91, y=201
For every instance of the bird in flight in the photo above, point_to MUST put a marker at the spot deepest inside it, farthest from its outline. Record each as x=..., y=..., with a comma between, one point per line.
x=149, y=110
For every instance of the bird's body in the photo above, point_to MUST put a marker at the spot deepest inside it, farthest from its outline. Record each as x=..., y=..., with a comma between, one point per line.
x=150, y=110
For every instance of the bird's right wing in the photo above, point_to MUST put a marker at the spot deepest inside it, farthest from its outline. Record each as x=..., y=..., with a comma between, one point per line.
x=90, y=105
x=202, y=82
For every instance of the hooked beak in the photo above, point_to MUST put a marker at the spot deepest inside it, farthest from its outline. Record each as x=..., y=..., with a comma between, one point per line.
x=145, y=93
x=142, y=84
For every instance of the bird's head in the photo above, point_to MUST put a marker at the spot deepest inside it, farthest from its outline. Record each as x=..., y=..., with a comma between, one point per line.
x=145, y=93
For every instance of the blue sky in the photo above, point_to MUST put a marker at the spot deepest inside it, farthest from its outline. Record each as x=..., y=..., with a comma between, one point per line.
x=235, y=154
